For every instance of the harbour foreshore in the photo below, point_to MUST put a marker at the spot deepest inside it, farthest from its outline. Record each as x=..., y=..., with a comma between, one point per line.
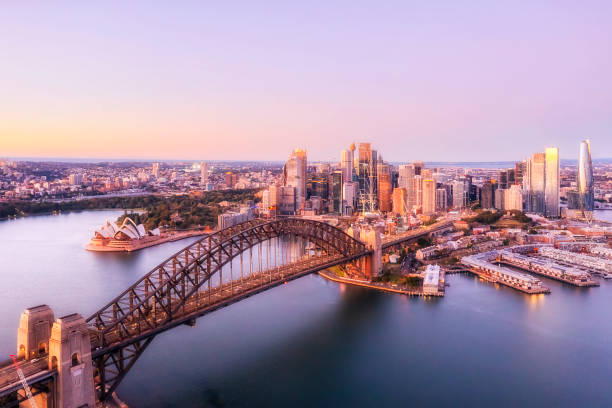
x=376, y=285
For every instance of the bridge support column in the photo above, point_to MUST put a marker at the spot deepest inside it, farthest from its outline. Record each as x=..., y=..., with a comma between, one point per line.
x=372, y=264
x=70, y=354
x=34, y=332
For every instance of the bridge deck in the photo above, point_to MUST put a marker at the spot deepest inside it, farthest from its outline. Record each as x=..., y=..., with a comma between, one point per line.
x=34, y=371
x=207, y=301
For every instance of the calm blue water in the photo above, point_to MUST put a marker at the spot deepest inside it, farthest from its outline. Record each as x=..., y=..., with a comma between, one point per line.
x=316, y=343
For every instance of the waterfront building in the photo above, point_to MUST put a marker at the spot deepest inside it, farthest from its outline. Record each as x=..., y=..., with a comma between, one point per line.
x=429, y=196
x=399, y=201
x=384, y=187
x=551, y=192
x=203, y=173
x=294, y=175
x=584, y=178
x=431, y=280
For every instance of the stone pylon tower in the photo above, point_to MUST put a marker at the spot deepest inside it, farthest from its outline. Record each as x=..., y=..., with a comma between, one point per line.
x=34, y=332
x=70, y=354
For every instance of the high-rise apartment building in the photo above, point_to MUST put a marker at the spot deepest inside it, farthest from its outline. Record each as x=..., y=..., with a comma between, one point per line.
x=294, y=175
x=155, y=170
x=429, y=196
x=551, y=192
x=586, y=197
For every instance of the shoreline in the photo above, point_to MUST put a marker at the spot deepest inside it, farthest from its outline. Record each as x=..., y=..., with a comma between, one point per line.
x=382, y=287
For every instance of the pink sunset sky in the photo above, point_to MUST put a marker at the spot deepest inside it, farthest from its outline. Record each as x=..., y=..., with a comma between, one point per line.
x=434, y=81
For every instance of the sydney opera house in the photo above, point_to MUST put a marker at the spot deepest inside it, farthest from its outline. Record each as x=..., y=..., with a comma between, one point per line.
x=126, y=237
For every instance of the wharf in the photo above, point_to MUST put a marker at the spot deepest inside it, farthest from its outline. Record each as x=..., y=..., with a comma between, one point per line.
x=489, y=278
x=374, y=285
x=582, y=284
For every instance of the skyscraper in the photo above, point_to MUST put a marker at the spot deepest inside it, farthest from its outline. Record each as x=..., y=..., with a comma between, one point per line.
x=294, y=175
x=346, y=165
x=156, y=170
x=429, y=196
x=513, y=198
x=335, y=190
x=534, y=182
x=487, y=195
x=399, y=201
x=441, y=200
x=585, y=178
x=366, y=173
x=459, y=194
x=406, y=181
x=551, y=192
x=203, y=173
x=384, y=187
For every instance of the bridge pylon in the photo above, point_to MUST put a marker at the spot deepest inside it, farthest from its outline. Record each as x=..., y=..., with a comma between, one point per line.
x=70, y=354
x=34, y=332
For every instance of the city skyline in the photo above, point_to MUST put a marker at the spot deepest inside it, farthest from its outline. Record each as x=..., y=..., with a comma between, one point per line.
x=408, y=78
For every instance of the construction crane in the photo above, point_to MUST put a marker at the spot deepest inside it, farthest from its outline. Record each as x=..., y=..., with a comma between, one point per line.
x=24, y=383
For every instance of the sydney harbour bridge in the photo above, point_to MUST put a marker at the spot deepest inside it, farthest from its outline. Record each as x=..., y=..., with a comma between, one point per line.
x=76, y=362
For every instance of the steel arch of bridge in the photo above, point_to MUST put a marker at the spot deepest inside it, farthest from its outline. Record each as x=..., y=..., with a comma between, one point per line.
x=175, y=291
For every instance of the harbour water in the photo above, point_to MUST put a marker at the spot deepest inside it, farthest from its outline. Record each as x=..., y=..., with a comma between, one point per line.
x=313, y=342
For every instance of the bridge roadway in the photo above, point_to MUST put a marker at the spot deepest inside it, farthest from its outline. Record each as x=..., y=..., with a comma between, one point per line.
x=210, y=300
x=413, y=234
x=34, y=371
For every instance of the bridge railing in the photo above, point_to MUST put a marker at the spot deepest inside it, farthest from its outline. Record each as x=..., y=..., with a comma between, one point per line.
x=9, y=376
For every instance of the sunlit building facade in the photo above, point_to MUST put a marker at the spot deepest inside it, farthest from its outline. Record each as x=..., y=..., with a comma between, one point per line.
x=294, y=175
x=551, y=191
x=585, y=177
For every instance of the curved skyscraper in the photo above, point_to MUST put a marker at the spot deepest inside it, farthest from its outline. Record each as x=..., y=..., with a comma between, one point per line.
x=585, y=177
